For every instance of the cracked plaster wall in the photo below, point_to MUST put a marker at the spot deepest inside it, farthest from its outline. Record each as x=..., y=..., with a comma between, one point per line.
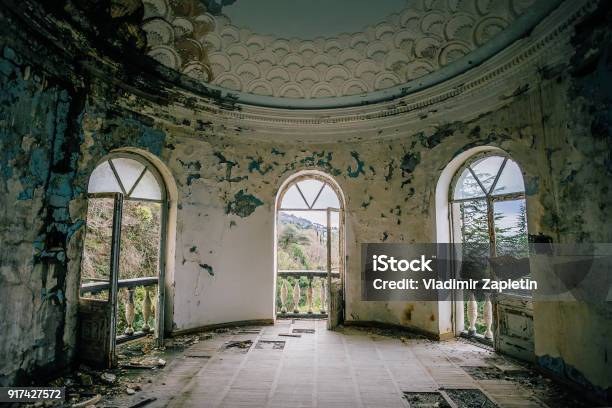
x=53, y=135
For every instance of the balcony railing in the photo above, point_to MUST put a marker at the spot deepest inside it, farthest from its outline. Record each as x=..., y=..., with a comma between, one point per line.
x=302, y=293
x=145, y=309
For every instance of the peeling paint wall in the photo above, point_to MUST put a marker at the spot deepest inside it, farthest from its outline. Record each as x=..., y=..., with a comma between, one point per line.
x=39, y=145
x=226, y=221
x=389, y=188
x=557, y=128
x=575, y=198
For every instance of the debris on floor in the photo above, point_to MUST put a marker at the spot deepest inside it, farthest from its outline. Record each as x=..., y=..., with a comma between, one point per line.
x=147, y=362
x=241, y=345
x=89, y=402
x=519, y=373
x=140, y=364
x=470, y=398
x=138, y=361
x=426, y=400
x=398, y=333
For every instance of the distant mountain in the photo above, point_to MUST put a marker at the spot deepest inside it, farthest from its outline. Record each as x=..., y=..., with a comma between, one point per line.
x=303, y=223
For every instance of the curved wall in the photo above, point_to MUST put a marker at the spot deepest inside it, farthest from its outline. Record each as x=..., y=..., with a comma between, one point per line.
x=551, y=115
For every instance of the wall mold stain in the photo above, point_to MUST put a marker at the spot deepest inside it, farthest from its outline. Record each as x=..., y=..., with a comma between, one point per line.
x=409, y=163
x=243, y=204
x=207, y=268
x=358, y=169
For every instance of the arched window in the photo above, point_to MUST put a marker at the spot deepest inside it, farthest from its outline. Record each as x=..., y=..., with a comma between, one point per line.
x=309, y=245
x=489, y=207
x=488, y=211
x=122, y=264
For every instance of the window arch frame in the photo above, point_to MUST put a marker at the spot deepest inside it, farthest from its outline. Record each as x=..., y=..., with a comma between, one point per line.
x=148, y=166
x=326, y=180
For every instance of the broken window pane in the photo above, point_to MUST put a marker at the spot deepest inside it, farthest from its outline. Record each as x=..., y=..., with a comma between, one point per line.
x=140, y=233
x=511, y=243
x=474, y=235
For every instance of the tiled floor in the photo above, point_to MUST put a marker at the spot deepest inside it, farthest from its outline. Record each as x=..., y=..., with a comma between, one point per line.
x=345, y=368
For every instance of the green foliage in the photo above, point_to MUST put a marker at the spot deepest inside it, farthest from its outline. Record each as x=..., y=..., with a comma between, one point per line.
x=140, y=237
x=302, y=245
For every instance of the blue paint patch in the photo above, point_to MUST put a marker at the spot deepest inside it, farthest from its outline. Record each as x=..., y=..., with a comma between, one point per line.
x=125, y=131
x=153, y=140
x=207, y=268
x=532, y=186
x=358, y=169
x=60, y=190
x=257, y=165
x=74, y=228
x=60, y=215
x=39, y=164
x=26, y=194
x=192, y=177
x=243, y=204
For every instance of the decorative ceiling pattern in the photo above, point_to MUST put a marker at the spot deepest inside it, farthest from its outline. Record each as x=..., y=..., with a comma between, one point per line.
x=422, y=38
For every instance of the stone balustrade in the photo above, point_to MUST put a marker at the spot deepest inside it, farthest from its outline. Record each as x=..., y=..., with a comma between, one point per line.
x=473, y=315
x=303, y=299
x=132, y=305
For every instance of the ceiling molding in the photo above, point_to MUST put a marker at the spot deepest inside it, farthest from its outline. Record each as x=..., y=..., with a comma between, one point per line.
x=477, y=91
x=423, y=45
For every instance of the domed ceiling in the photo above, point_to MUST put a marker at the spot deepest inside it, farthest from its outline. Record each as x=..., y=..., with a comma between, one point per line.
x=323, y=49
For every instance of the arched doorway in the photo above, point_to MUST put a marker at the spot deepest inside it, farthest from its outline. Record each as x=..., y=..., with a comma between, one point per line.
x=489, y=218
x=309, y=248
x=123, y=266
